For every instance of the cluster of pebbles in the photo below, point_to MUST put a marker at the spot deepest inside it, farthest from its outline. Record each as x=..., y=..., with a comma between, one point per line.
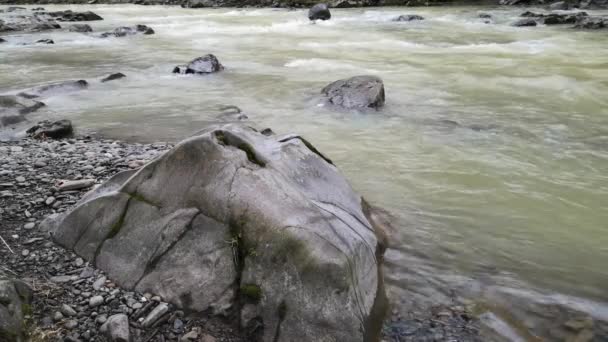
x=73, y=301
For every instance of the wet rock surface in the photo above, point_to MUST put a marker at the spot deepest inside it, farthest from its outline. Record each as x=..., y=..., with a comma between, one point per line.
x=357, y=92
x=54, y=88
x=525, y=23
x=33, y=184
x=15, y=301
x=408, y=17
x=74, y=16
x=128, y=31
x=319, y=12
x=13, y=109
x=82, y=28
x=55, y=130
x=112, y=77
x=207, y=64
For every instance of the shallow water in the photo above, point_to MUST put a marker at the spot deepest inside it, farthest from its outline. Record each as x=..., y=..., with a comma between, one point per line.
x=514, y=198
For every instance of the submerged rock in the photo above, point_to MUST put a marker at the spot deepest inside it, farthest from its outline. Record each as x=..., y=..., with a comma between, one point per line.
x=113, y=77
x=82, y=28
x=270, y=230
x=592, y=23
x=2, y=40
x=74, y=16
x=408, y=17
x=206, y=64
x=524, y=22
x=27, y=23
x=15, y=300
x=319, y=12
x=45, y=41
x=556, y=18
x=54, y=88
x=55, y=130
x=356, y=92
x=128, y=31
x=14, y=108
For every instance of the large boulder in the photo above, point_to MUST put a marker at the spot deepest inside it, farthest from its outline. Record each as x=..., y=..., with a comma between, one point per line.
x=592, y=23
x=128, y=31
x=15, y=300
x=357, y=92
x=55, y=130
x=240, y=223
x=14, y=108
x=82, y=28
x=206, y=64
x=524, y=22
x=74, y=16
x=319, y=12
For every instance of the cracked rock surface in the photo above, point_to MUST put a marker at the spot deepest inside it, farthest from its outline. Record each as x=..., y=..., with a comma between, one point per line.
x=236, y=222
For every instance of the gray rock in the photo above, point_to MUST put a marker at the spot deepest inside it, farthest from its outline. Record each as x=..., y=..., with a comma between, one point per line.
x=159, y=311
x=99, y=283
x=74, y=16
x=357, y=92
x=50, y=200
x=202, y=65
x=29, y=226
x=54, y=88
x=71, y=324
x=62, y=279
x=67, y=310
x=301, y=241
x=116, y=328
x=408, y=17
x=54, y=130
x=15, y=299
x=124, y=31
x=113, y=77
x=14, y=108
x=95, y=301
x=69, y=185
x=82, y=28
x=319, y=12
x=592, y=23
x=524, y=22
x=57, y=316
x=560, y=5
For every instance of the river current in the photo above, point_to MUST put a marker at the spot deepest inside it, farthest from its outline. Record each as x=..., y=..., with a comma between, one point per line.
x=491, y=152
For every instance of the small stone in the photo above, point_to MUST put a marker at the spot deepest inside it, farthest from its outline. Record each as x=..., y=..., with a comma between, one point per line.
x=98, y=284
x=39, y=164
x=155, y=314
x=29, y=226
x=67, y=310
x=101, y=319
x=25, y=252
x=208, y=338
x=116, y=328
x=62, y=279
x=71, y=324
x=20, y=179
x=95, y=301
x=191, y=336
x=16, y=148
x=78, y=262
x=57, y=316
x=50, y=200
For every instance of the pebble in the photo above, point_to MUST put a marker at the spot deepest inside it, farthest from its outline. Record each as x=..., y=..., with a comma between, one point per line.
x=30, y=225
x=50, y=200
x=20, y=179
x=67, y=310
x=95, y=301
x=97, y=285
x=71, y=324
x=25, y=252
x=57, y=316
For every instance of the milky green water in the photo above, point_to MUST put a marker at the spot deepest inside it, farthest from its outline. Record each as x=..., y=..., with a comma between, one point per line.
x=515, y=197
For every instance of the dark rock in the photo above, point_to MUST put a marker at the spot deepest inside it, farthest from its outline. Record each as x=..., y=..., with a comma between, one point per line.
x=2, y=40
x=319, y=12
x=113, y=77
x=74, y=16
x=13, y=9
x=592, y=23
x=45, y=41
x=14, y=108
x=202, y=65
x=528, y=14
x=304, y=248
x=561, y=19
x=82, y=28
x=38, y=9
x=15, y=300
x=484, y=16
x=128, y=31
x=408, y=17
x=199, y=4
x=356, y=92
x=524, y=22
x=54, y=88
x=27, y=23
x=55, y=130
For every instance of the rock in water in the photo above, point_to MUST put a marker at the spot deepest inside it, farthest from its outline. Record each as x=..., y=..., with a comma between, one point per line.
x=408, y=17
x=269, y=222
x=74, y=16
x=524, y=22
x=356, y=92
x=82, y=28
x=45, y=41
x=2, y=40
x=55, y=130
x=113, y=77
x=319, y=12
x=14, y=108
x=128, y=31
x=54, y=88
x=15, y=300
x=202, y=65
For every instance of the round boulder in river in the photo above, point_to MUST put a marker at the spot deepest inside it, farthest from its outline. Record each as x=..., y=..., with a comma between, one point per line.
x=319, y=12
x=356, y=92
x=202, y=65
x=264, y=227
x=82, y=28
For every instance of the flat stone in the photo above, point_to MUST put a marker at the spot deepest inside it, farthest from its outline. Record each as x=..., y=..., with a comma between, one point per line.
x=29, y=226
x=67, y=310
x=95, y=301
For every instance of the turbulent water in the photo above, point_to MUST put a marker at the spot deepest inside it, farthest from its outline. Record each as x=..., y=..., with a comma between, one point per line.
x=491, y=151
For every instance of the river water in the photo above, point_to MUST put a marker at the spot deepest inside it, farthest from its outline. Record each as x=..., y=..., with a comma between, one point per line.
x=510, y=203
